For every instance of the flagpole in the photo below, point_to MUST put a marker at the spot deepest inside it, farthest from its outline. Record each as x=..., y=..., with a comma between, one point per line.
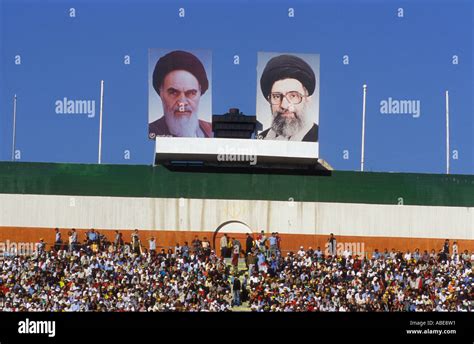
x=363, y=129
x=100, y=119
x=14, y=128
x=447, y=132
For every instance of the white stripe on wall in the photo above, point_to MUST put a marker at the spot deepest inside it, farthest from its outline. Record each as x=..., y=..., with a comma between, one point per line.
x=207, y=214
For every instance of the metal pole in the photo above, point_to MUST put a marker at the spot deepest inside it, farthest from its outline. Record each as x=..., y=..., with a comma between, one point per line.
x=100, y=119
x=14, y=128
x=447, y=132
x=363, y=129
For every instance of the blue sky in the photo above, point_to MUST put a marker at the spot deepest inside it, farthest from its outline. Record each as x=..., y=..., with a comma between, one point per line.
x=407, y=58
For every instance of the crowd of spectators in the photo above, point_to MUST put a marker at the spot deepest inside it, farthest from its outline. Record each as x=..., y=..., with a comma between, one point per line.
x=99, y=275
x=309, y=280
x=104, y=276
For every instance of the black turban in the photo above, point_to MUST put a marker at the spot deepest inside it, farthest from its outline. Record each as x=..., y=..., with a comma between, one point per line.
x=179, y=60
x=284, y=67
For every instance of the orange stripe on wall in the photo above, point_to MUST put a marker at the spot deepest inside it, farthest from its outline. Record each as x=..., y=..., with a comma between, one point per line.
x=290, y=242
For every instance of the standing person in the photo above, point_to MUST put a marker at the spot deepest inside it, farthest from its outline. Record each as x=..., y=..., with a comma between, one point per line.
x=261, y=260
x=206, y=247
x=230, y=247
x=332, y=245
x=136, y=245
x=118, y=241
x=73, y=240
x=196, y=244
x=455, y=249
x=177, y=249
x=278, y=242
x=244, y=293
x=273, y=245
x=152, y=245
x=251, y=262
x=69, y=235
x=248, y=244
x=446, y=247
x=92, y=237
x=236, y=287
x=318, y=253
x=236, y=242
x=41, y=246
x=185, y=250
x=261, y=239
x=235, y=255
x=223, y=245
x=58, y=242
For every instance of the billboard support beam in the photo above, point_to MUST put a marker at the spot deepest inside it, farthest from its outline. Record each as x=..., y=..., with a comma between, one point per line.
x=100, y=119
x=363, y=130
x=447, y=132
x=14, y=128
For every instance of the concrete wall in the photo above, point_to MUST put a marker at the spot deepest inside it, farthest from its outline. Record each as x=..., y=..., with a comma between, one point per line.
x=205, y=215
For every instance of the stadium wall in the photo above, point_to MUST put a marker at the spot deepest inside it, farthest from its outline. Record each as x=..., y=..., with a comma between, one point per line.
x=382, y=210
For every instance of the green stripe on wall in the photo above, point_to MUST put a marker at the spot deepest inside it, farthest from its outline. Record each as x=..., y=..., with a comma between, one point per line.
x=148, y=181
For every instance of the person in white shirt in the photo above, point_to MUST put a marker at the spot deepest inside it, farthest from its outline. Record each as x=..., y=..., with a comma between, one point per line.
x=347, y=253
x=72, y=240
x=223, y=245
x=152, y=244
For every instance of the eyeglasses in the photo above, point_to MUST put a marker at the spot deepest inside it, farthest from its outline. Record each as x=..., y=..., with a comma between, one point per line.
x=293, y=97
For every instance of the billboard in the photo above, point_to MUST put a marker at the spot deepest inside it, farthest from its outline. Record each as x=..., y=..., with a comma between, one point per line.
x=180, y=107
x=179, y=93
x=288, y=96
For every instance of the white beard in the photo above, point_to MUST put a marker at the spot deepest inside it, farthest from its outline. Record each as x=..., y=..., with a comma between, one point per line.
x=183, y=126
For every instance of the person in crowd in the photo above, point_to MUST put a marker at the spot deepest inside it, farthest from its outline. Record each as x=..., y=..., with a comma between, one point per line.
x=58, y=241
x=92, y=237
x=262, y=241
x=332, y=245
x=273, y=241
x=251, y=262
x=455, y=249
x=40, y=246
x=152, y=245
x=223, y=245
x=249, y=244
x=236, y=289
x=118, y=240
x=185, y=250
x=206, y=247
x=235, y=255
x=73, y=242
x=136, y=243
x=197, y=246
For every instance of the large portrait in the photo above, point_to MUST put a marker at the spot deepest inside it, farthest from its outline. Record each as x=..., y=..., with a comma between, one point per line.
x=179, y=93
x=288, y=96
